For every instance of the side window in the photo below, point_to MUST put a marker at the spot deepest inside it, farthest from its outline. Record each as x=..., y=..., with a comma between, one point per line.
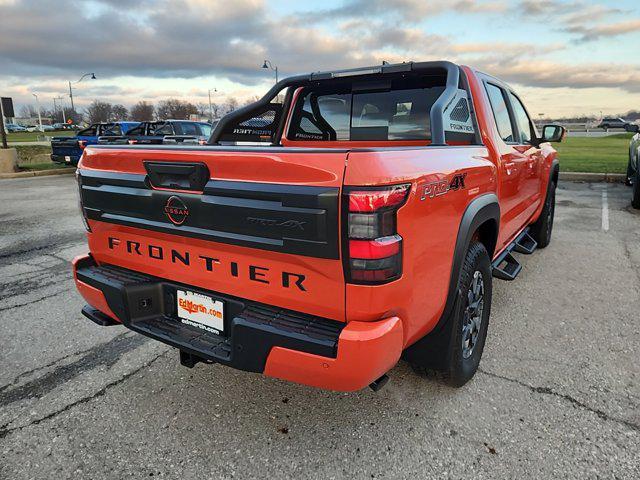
x=111, y=130
x=139, y=130
x=166, y=129
x=500, y=113
x=189, y=129
x=522, y=119
x=92, y=131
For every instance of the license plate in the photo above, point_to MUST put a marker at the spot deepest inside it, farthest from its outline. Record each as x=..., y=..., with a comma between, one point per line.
x=201, y=311
x=67, y=159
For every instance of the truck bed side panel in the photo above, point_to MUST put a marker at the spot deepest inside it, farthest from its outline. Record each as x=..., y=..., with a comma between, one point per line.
x=428, y=225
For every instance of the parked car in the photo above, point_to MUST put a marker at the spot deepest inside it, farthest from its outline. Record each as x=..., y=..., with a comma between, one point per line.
x=196, y=139
x=63, y=126
x=633, y=168
x=366, y=230
x=69, y=149
x=609, y=123
x=39, y=128
x=154, y=133
x=14, y=127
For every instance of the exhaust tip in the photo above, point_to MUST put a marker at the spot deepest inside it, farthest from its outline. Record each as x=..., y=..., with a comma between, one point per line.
x=376, y=385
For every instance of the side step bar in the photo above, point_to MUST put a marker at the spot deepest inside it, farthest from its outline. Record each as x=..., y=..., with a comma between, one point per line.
x=506, y=266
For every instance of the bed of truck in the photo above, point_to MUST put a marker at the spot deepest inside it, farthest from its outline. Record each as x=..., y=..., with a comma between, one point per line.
x=346, y=220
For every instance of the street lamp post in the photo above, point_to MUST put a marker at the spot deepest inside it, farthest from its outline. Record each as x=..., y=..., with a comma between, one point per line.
x=93, y=77
x=268, y=64
x=211, y=105
x=38, y=105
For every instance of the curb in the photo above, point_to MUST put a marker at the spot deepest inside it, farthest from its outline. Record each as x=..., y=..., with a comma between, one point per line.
x=39, y=173
x=592, y=177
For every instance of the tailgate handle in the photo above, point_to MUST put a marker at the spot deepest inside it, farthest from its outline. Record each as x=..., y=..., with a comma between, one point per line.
x=177, y=176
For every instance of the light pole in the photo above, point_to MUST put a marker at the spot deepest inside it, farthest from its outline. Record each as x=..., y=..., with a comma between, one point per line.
x=61, y=98
x=210, y=104
x=268, y=64
x=93, y=77
x=38, y=105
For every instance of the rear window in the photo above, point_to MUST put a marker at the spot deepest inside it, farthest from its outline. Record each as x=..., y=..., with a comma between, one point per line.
x=398, y=112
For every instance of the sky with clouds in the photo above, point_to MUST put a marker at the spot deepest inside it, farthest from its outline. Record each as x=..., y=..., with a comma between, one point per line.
x=565, y=57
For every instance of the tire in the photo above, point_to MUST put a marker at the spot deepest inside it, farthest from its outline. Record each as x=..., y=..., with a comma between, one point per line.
x=469, y=321
x=635, y=199
x=628, y=181
x=541, y=229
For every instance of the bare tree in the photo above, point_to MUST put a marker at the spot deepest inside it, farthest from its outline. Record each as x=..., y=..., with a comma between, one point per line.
x=250, y=100
x=120, y=112
x=28, y=111
x=142, y=112
x=175, y=109
x=203, y=108
x=231, y=105
x=99, y=112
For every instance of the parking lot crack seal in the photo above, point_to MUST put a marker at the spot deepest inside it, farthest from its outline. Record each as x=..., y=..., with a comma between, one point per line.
x=44, y=297
x=4, y=431
x=54, y=362
x=575, y=402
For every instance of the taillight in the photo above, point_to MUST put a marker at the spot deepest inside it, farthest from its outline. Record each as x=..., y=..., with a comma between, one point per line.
x=373, y=249
x=80, y=204
x=132, y=141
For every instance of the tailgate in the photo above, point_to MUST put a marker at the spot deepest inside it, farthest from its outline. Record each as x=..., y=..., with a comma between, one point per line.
x=263, y=224
x=65, y=146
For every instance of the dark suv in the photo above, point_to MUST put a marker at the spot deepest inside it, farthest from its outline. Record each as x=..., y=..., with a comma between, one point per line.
x=608, y=123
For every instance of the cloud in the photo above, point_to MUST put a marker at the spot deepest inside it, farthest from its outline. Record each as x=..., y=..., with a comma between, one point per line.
x=197, y=39
x=411, y=11
x=548, y=74
x=590, y=33
x=586, y=19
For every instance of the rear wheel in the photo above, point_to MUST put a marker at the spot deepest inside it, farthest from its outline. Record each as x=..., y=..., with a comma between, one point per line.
x=469, y=320
x=541, y=229
x=628, y=180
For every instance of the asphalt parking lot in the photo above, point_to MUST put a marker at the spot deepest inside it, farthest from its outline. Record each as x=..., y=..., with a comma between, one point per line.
x=558, y=394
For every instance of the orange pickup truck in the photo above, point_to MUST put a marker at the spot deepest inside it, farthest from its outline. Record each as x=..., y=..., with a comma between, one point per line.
x=344, y=221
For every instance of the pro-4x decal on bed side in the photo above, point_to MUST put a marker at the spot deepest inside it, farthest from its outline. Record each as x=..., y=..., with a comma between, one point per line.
x=435, y=189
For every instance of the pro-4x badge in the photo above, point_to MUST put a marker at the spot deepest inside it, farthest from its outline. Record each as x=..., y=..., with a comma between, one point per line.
x=435, y=189
x=176, y=210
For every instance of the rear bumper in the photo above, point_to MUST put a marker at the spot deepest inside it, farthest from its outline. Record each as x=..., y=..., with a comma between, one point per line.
x=259, y=338
x=61, y=159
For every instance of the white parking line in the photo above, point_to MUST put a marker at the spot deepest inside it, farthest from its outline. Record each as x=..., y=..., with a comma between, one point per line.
x=605, y=210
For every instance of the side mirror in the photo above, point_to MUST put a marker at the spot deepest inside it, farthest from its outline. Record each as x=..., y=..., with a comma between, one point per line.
x=553, y=133
x=632, y=127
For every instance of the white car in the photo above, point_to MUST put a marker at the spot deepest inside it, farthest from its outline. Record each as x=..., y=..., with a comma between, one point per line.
x=37, y=128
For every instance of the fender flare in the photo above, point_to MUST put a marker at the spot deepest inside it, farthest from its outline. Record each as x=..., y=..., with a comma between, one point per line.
x=432, y=349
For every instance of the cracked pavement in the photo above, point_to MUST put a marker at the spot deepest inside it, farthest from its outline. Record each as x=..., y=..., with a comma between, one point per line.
x=557, y=396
